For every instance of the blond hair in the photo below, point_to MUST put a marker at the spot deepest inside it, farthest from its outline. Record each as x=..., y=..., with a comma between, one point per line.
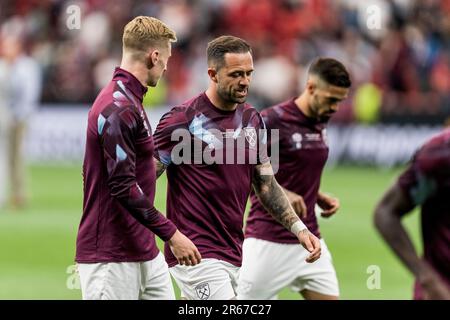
x=143, y=32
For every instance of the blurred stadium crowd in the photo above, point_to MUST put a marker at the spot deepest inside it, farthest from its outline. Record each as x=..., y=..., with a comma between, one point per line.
x=399, y=65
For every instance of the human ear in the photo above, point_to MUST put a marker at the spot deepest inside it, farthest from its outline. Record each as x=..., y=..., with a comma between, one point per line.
x=311, y=87
x=212, y=73
x=153, y=58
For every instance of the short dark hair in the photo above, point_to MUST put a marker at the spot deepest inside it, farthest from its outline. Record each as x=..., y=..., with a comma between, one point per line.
x=218, y=47
x=331, y=71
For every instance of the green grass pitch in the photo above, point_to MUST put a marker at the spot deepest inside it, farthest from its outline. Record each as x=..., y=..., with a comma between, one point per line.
x=37, y=245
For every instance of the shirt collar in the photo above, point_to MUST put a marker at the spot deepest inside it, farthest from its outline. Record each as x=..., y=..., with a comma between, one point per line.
x=216, y=109
x=303, y=117
x=130, y=82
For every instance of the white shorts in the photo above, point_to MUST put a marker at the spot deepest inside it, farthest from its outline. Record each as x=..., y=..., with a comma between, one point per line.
x=211, y=279
x=149, y=280
x=268, y=267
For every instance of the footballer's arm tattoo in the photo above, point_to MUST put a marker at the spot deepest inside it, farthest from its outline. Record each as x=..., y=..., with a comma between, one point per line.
x=272, y=196
x=160, y=168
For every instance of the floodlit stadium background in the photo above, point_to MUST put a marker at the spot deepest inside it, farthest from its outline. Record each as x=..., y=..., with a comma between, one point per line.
x=398, y=53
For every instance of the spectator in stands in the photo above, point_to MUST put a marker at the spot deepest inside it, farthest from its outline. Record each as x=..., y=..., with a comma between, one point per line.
x=402, y=54
x=20, y=96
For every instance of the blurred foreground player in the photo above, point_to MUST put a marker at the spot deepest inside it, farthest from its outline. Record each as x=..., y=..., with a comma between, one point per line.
x=116, y=251
x=208, y=186
x=272, y=258
x=425, y=183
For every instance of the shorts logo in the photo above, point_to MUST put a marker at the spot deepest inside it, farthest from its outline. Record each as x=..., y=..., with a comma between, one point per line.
x=203, y=291
x=250, y=135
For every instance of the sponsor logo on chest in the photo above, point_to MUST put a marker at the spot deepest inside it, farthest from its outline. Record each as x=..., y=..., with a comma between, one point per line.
x=308, y=139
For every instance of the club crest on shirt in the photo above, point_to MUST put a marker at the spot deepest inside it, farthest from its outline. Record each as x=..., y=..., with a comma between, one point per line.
x=297, y=139
x=203, y=291
x=250, y=135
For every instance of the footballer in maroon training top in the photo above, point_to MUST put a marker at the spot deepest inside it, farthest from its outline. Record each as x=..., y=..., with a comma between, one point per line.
x=118, y=211
x=303, y=153
x=206, y=200
x=426, y=182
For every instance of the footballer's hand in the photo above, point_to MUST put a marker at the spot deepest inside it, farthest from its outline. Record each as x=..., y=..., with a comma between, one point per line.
x=328, y=204
x=311, y=243
x=297, y=203
x=433, y=287
x=184, y=250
